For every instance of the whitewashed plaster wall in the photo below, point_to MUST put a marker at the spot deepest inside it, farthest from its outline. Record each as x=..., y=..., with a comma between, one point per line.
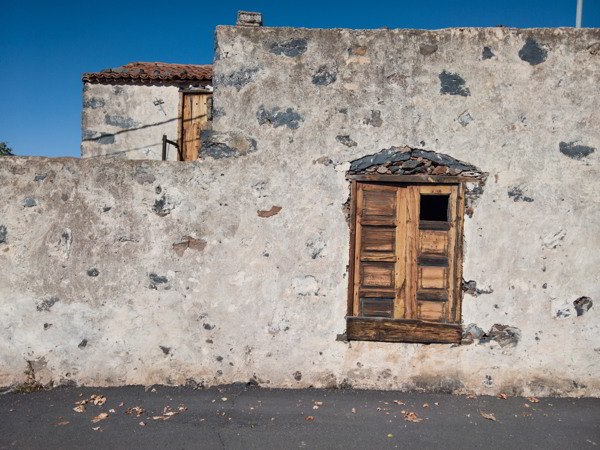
x=136, y=272
x=128, y=121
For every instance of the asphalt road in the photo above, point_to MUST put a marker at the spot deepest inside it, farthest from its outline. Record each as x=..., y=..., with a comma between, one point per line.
x=243, y=417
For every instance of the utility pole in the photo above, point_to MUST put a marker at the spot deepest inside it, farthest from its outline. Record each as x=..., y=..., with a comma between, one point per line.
x=579, y=17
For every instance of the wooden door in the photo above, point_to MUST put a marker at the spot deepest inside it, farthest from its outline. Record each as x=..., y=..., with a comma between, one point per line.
x=405, y=252
x=194, y=121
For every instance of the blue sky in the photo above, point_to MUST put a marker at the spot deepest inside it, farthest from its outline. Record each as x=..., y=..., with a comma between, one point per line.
x=47, y=45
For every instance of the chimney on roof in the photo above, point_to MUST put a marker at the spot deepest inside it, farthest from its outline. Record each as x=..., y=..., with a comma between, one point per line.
x=249, y=19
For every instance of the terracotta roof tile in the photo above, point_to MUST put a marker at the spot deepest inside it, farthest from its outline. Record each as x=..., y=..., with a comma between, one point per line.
x=150, y=72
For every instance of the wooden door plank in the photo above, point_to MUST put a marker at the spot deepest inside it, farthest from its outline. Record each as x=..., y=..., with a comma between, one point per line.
x=435, y=189
x=400, y=302
x=351, y=256
x=452, y=215
x=441, y=179
x=401, y=330
x=412, y=229
x=458, y=259
x=187, y=126
x=356, y=289
x=180, y=124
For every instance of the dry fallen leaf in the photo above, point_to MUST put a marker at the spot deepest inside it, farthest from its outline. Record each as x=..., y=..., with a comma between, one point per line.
x=309, y=418
x=183, y=408
x=171, y=413
x=533, y=400
x=121, y=404
x=79, y=409
x=136, y=409
x=471, y=396
x=98, y=399
x=81, y=402
x=525, y=405
x=99, y=417
x=425, y=405
x=412, y=417
x=398, y=402
x=111, y=411
x=488, y=416
x=502, y=396
x=96, y=428
x=143, y=424
x=66, y=422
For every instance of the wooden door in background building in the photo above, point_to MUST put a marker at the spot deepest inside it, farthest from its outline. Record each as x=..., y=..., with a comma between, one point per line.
x=195, y=112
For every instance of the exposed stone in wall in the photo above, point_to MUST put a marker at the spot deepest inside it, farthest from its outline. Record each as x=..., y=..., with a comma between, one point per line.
x=94, y=103
x=47, y=303
x=188, y=242
x=29, y=202
x=532, y=52
x=121, y=121
x=279, y=117
x=162, y=206
x=220, y=145
x=324, y=76
x=158, y=281
x=575, y=151
x=583, y=305
x=427, y=49
x=269, y=212
x=471, y=333
x=345, y=140
x=516, y=193
x=374, y=119
x=504, y=335
x=465, y=118
x=487, y=53
x=470, y=287
x=291, y=47
x=453, y=84
x=237, y=79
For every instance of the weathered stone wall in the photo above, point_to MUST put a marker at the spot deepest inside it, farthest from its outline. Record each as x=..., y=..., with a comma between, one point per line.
x=233, y=268
x=518, y=104
x=128, y=121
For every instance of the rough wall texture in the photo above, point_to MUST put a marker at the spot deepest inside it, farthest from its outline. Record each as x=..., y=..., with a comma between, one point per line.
x=233, y=268
x=128, y=121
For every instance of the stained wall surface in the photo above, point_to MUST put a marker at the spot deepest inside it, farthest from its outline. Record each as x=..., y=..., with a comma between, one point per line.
x=128, y=121
x=234, y=268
